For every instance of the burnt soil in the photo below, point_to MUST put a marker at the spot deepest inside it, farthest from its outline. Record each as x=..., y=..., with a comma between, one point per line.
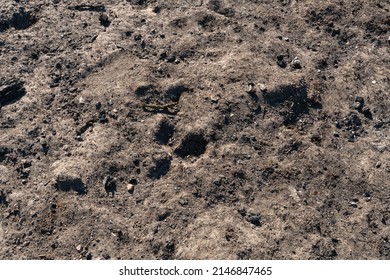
x=194, y=129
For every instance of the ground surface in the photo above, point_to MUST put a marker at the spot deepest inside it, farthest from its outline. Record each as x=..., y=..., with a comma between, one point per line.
x=194, y=129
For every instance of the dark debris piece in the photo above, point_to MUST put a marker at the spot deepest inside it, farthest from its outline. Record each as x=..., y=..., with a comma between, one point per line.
x=254, y=219
x=164, y=215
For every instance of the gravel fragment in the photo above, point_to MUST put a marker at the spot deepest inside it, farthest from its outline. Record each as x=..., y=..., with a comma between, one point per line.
x=296, y=63
x=79, y=248
x=130, y=188
x=263, y=87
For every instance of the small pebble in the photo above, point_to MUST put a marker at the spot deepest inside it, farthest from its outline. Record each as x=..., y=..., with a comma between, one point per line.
x=296, y=63
x=354, y=204
x=183, y=202
x=250, y=88
x=262, y=87
x=78, y=248
x=357, y=105
x=130, y=188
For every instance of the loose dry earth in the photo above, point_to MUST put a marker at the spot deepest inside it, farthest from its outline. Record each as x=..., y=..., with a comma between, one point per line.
x=213, y=129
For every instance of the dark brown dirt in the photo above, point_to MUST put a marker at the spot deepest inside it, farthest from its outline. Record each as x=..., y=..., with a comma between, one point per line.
x=213, y=129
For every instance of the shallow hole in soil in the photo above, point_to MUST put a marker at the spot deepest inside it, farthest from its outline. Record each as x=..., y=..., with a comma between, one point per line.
x=67, y=183
x=292, y=99
x=164, y=132
x=159, y=168
x=193, y=144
